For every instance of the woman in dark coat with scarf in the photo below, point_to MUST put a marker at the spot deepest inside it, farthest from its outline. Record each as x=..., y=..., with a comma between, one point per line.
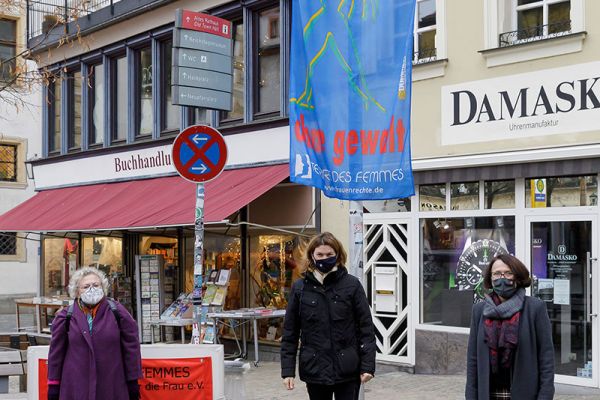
x=94, y=353
x=329, y=314
x=510, y=353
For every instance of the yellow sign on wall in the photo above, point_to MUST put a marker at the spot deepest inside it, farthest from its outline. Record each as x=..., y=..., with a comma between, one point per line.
x=538, y=193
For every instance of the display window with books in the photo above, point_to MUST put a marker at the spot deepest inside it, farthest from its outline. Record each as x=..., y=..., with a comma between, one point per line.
x=221, y=252
x=166, y=248
x=60, y=260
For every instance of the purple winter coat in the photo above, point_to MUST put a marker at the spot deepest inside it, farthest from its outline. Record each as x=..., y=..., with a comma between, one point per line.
x=96, y=366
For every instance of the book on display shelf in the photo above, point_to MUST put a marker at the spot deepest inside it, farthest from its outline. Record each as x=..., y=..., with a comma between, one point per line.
x=224, y=275
x=219, y=297
x=209, y=295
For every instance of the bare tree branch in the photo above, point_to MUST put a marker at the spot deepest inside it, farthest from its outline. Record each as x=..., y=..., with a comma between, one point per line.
x=24, y=76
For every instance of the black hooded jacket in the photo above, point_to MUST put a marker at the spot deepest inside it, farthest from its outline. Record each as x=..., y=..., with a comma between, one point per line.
x=334, y=324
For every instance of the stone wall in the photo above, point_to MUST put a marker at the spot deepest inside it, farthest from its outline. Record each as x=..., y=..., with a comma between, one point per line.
x=440, y=353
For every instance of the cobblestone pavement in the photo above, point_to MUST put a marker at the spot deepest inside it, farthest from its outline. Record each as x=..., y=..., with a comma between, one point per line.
x=264, y=383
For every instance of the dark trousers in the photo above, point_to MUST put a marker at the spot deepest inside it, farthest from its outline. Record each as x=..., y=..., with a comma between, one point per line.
x=342, y=391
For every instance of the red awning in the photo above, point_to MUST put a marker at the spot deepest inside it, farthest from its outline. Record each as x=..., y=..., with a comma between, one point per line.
x=168, y=201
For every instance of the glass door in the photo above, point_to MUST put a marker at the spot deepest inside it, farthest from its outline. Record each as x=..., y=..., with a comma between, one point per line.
x=562, y=253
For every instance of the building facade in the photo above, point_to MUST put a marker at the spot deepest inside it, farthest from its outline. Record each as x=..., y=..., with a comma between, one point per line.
x=505, y=146
x=107, y=188
x=20, y=124
x=505, y=157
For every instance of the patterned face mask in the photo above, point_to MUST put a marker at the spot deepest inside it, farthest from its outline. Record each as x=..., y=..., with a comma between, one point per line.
x=92, y=295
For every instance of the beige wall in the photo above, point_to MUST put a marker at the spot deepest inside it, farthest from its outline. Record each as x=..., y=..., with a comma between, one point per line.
x=465, y=38
x=335, y=218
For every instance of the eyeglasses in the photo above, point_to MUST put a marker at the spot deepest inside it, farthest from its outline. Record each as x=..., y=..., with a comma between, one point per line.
x=86, y=287
x=507, y=275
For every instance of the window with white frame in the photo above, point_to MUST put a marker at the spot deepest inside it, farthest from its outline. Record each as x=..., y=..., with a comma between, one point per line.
x=537, y=19
x=425, y=49
x=532, y=22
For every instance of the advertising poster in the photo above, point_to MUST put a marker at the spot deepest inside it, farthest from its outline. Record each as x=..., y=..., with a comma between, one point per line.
x=163, y=379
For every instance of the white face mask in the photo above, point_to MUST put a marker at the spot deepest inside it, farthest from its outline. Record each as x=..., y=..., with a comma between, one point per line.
x=92, y=295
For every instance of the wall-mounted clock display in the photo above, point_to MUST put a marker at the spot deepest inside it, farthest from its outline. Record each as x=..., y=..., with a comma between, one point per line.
x=473, y=261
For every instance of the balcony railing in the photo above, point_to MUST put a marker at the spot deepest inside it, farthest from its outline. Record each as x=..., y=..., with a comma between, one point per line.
x=44, y=15
x=424, y=56
x=535, y=33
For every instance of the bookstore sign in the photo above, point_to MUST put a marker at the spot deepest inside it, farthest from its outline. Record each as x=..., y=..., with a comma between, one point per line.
x=202, y=61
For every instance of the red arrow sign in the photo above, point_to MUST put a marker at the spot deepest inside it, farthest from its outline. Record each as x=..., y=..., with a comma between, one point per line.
x=205, y=23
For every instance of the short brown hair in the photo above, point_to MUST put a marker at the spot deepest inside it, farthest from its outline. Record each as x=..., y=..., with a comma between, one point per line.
x=325, y=239
x=522, y=278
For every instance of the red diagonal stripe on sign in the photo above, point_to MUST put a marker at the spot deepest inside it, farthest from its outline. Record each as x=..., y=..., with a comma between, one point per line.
x=199, y=153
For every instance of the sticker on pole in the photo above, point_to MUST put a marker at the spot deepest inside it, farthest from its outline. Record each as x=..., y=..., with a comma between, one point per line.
x=199, y=153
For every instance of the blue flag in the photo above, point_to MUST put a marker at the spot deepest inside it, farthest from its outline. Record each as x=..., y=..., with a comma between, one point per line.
x=350, y=91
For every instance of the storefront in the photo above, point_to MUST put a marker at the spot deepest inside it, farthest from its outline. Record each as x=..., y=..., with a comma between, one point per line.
x=509, y=166
x=253, y=223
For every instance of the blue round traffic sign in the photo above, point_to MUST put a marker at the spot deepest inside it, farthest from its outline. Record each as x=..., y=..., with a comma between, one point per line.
x=199, y=153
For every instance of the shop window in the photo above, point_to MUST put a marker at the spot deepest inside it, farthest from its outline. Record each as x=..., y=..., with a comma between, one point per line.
x=269, y=56
x=464, y=196
x=8, y=49
x=143, y=96
x=171, y=113
x=391, y=205
x=274, y=265
x=499, y=194
x=61, y=257
x=54, y=112
x=565, y=191
x=223, y=252
x=119, y=95
x=220, y=252
x=455, y=254
x=106, y=254
x=8, y=163
x=425, y=31
x=239, y=78
x=73, y=83
x=96, y=96
x=432, y=197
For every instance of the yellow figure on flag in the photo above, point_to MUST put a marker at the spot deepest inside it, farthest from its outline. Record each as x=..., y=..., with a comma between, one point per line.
x=345, y=10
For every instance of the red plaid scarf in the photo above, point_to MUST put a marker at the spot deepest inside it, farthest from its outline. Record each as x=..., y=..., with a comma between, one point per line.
x=501, y=336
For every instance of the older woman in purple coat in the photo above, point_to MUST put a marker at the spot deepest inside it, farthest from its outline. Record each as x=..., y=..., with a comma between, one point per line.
x=94, y=350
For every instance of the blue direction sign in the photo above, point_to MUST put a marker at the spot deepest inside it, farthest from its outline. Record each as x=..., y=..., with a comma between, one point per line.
x=199, y=153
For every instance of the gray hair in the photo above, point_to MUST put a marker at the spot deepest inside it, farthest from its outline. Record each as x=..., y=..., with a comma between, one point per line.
x=82, y=272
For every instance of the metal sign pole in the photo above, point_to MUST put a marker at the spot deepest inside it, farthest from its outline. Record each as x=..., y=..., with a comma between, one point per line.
x=356, y=251
x=199, y=318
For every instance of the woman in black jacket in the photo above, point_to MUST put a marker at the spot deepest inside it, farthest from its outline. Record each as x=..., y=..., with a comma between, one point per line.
x=510, y=353
x=329, y=313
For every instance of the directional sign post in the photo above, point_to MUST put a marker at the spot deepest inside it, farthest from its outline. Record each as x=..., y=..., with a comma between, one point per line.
x=202, y=61
x=199, y=155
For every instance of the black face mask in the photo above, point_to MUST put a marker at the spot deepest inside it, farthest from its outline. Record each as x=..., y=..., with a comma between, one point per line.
x=504, y=288
x=326, y=265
